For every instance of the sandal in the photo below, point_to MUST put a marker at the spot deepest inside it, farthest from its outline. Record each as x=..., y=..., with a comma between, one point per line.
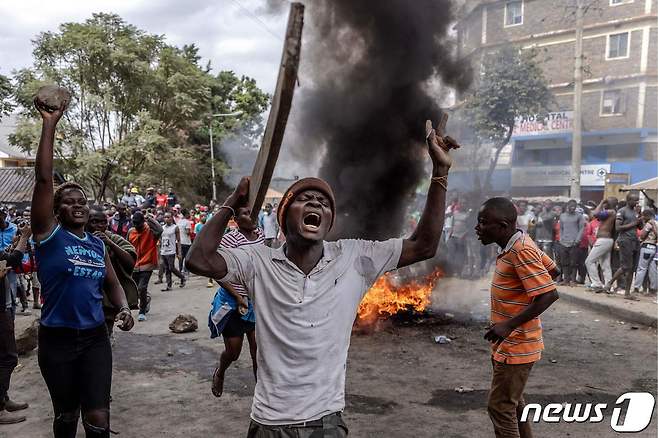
x=217, y=384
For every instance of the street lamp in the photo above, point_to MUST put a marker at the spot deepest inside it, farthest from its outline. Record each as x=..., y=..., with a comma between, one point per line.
x=212, y=151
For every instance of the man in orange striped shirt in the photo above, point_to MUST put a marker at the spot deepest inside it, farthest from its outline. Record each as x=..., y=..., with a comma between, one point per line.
x=521, y=290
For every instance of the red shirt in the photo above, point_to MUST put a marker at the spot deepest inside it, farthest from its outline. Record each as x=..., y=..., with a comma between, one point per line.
x=161, y=200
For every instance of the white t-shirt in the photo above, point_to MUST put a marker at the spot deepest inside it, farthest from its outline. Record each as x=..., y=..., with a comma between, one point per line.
x=168, y=240
x=304, y=322
x=270, y=229
x=184, y=228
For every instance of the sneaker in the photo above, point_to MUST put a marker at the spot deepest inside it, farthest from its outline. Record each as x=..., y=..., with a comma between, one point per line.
x=158, y=282
x=12, y=406
x=210, y=284
x=9, y=418
x=166, y=289
x=36, y=306
x=148, y=304
x=24, y=312
x=182, y=283
x=141, y=317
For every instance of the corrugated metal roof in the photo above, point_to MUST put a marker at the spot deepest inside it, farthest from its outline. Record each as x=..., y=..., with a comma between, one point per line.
x=16, y=184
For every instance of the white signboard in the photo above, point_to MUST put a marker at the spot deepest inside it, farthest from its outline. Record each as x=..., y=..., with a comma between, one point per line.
x=553, y=123
x=552, y=176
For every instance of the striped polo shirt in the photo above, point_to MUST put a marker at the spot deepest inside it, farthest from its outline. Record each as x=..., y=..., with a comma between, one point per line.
x=522, y=272
x=235, y=239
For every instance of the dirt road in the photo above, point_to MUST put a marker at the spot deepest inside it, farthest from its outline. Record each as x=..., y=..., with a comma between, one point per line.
x=399, y=382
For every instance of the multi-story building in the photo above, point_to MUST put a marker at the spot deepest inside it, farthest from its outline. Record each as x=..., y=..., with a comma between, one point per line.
x=620, y=89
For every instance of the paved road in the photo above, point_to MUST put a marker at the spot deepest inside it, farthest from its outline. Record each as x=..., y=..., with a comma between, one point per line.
x=399, y=384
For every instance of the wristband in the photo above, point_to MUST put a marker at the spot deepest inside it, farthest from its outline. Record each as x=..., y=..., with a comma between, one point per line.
x=442, y=181
x=229, y=207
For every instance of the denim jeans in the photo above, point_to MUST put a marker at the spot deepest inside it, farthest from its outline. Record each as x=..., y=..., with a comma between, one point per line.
x=646, y=264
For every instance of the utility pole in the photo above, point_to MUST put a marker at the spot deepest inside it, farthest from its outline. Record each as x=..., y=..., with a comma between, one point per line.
x=577, y=136
x=212, y=166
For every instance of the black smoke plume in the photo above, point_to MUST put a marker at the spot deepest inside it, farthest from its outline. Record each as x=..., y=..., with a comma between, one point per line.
x=373, y=67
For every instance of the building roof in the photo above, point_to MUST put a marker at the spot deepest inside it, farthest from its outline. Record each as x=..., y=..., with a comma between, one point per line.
x=647, y=184
x=7, y=127
x=16, y=184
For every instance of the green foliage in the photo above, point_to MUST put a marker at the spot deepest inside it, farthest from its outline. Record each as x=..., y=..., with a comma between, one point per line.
x=512, y=84
x=140, y=107
x=6, y=91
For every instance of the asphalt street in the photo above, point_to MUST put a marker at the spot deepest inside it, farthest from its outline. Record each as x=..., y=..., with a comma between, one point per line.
x=400, y=383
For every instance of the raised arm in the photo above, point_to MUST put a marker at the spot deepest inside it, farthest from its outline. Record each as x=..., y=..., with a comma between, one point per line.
x=202, y=258
x=155, y=226
x=43, y=217
x=423, y=242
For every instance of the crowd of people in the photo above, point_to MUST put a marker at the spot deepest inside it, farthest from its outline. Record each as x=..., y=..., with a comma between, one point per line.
x=607, y=247
x=95, y=263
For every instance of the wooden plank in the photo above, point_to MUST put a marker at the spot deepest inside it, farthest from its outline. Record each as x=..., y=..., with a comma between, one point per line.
x=281, y=104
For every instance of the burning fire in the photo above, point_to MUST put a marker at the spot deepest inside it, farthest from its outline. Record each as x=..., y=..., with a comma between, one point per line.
x=385, y=298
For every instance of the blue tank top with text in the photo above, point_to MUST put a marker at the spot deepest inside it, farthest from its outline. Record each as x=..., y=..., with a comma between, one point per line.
x=71, y=272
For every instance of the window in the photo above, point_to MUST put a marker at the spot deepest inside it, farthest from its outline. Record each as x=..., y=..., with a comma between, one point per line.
x=618, y=45
x=612, y=103
x=513, y=13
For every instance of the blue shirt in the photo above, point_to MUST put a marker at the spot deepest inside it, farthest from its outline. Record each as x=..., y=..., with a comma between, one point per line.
x=71, y=272
x=7, y=235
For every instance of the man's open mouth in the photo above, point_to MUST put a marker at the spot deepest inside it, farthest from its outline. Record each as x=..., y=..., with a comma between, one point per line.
x=78, y=214
x=312, y=221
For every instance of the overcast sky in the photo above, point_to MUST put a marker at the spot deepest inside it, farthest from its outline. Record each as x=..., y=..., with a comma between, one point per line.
x=233, y=34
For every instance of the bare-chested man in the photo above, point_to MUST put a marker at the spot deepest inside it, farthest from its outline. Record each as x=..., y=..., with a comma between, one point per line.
x=605, y=212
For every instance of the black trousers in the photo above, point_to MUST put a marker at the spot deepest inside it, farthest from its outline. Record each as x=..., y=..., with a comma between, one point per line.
x=170, y=268
x=181, y=263
x=77, y=368
x=569, y=262
x=8, y=354
x=142, y=279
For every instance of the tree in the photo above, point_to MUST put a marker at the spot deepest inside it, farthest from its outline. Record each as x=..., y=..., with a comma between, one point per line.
x=6, y=92
x=512, y=84
x=138, y=105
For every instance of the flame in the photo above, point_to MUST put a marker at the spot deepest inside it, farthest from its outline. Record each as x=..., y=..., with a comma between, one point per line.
x=385, y=299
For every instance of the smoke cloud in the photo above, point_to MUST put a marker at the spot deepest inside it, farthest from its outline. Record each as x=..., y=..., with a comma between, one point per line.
x=369, y=78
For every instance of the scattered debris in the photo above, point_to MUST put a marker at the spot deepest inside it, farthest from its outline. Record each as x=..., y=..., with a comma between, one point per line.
x=170, y=353
x=617, y=354
x=450, y=315
x=597, y=320
x=442, y=339
x=184, y=324
x=574, y=311
x=553, y=361
x=463, y=389
x=634, y=327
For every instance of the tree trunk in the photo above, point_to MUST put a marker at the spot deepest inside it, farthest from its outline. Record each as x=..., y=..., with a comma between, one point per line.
x=104, y=179
x=493, y=163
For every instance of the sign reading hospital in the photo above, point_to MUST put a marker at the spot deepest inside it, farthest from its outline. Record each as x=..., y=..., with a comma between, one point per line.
x=553, y=123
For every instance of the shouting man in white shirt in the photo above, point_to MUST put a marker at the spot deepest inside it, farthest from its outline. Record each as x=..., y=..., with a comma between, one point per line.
x=306, y=295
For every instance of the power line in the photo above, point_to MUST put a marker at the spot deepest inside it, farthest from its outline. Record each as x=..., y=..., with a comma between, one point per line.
x=258, y=20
